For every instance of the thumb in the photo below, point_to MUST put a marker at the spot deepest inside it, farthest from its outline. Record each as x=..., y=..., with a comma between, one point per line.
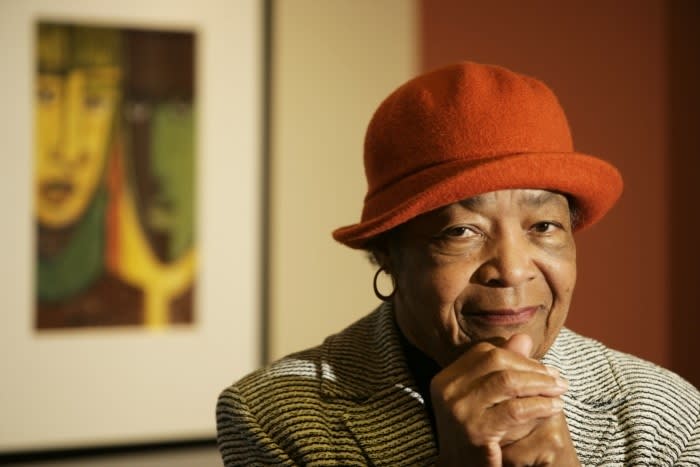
x=494, y=456
x=520, y=343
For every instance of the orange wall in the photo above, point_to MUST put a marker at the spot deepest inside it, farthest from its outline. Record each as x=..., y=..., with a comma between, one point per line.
x=609, y=63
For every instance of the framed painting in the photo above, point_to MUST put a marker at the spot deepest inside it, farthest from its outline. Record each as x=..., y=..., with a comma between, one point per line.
x=131, y=217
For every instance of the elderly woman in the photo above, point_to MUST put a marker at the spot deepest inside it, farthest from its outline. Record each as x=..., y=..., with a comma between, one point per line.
x=474, y=195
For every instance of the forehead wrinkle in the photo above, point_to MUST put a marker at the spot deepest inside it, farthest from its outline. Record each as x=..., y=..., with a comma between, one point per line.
x=537, y=197
x=529, y=197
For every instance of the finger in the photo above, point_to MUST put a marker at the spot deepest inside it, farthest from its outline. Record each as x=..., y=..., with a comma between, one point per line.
x=485, y=358
x=515, y=418
x=482, y=360
x=524, y=388
x=494, y=457
x=549, y=443
x=509, y=384
x=519, y=343
x=509, y=421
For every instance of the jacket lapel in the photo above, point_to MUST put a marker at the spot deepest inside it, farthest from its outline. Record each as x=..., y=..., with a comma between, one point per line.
x=392, y=428
x=385, y=413
x=591, y=428
x=593, y=398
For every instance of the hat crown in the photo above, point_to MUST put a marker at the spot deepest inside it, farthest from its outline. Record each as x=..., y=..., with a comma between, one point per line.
x=464, y=112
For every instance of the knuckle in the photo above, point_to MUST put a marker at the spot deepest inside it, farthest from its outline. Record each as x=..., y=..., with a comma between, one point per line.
x=515, y=410
x=495, y=358
x=506, y=381
x=439, y=394
x=557, y=441
x=460, y=412
x=475, y=435
x=445, y=395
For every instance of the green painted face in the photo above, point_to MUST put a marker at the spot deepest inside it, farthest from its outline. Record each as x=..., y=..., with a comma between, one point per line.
x=170, y=208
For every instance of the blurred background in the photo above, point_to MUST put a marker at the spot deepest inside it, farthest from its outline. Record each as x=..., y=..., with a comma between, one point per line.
x=626, y=73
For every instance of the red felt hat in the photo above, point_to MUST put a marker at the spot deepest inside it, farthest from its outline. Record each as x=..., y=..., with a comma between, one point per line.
x=469, y=129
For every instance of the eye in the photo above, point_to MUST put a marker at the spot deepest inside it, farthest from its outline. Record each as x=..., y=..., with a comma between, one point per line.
x=93, y=102
x=46, y=95
x=460, y=231
x=545, y=227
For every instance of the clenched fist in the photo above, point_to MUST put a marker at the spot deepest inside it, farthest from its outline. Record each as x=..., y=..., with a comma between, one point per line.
x=496, y=406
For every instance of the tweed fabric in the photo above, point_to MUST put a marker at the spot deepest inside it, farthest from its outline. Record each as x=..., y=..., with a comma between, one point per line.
x=352, y=401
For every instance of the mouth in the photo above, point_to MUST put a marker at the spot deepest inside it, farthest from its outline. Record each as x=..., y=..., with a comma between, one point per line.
x=56, y=191
x=503, y=317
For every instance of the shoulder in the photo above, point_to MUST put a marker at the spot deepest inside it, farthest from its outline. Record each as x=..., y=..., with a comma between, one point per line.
x=271, y=386
x=306, y=371
x=612, y=371
x=253, y=415
x=292, y=409
x=657, y=410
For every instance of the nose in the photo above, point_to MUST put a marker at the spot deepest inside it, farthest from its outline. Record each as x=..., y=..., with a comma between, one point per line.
x=508, y=263
x=68, y=151
x=67, y=157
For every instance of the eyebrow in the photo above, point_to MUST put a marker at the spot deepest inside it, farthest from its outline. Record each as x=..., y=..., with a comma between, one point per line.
x=538, y=198
x=530, y=198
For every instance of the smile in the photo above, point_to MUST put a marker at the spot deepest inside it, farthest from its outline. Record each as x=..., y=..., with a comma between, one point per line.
x=503, y=317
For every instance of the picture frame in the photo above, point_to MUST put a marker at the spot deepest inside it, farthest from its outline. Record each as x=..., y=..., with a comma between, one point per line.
x=90, y=387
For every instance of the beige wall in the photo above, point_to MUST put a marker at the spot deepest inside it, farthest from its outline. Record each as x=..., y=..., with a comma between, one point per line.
x=333, y=61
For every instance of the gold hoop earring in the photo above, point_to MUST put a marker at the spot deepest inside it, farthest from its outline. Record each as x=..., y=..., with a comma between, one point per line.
x=379, y=295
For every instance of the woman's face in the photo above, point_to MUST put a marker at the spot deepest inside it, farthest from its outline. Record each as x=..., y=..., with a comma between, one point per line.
x=483, y=269
x=73, y=122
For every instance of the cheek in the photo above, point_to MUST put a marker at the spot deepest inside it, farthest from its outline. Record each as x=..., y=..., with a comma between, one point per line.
x=449, y=284
x=561, y=280
x=431, y=282
x=559, y=269
x=425, y=305
x=432, y=293
x=566, y=277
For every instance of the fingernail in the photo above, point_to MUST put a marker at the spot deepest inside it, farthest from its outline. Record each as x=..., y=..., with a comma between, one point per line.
x=552, y=371
x=557, y=404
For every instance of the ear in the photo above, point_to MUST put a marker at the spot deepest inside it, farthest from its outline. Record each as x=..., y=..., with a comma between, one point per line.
x=381, y=255
x=386, y=253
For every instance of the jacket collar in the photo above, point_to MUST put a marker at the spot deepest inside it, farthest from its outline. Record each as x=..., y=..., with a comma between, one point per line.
x=364, y=359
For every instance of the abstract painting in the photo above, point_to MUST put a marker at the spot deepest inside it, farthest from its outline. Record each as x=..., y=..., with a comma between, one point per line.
x=114, y=176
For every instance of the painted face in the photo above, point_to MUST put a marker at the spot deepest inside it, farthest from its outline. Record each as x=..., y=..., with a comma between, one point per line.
x=165, y=180
x=74, y=114
x=483, y=269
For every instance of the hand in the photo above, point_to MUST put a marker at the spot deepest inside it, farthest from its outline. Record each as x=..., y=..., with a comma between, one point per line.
x=549, y=444
x=494, y=397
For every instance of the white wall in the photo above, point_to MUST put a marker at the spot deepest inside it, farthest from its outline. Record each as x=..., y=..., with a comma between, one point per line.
x=333, y=62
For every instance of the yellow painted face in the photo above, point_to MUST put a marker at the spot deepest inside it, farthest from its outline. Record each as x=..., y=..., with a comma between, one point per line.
x=74, y=115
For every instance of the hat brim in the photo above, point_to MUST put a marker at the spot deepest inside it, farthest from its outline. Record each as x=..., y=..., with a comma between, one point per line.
x=595, y=184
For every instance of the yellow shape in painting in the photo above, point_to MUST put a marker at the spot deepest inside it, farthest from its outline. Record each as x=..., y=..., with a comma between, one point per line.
x=161, y=282
x=74, y=118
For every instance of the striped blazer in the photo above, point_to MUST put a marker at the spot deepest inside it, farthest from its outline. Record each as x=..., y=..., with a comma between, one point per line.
x=352, y=401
